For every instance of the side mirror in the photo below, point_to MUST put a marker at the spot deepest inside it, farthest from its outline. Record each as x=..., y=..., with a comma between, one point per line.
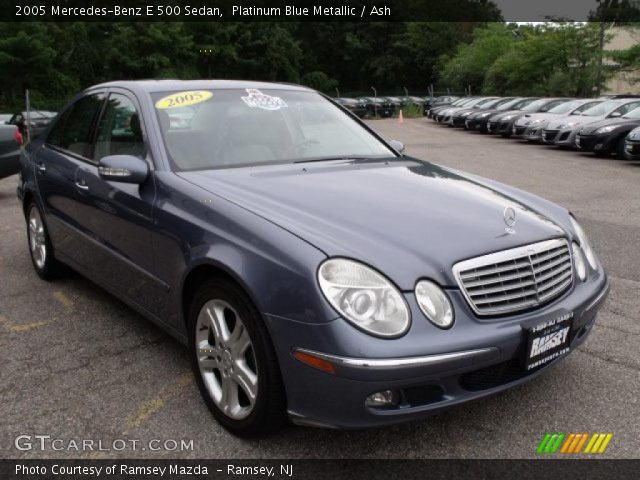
x=123, y=168
x=615, y=114
x=397, y=146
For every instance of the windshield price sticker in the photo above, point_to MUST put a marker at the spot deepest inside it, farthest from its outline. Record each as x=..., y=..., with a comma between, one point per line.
x=183, y=99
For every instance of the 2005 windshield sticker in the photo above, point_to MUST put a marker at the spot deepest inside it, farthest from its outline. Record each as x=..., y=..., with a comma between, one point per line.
x=183, y=99
x=257, y=99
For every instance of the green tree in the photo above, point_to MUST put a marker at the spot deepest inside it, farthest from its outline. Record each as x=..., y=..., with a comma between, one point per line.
x=470, y=63
x=555, y=59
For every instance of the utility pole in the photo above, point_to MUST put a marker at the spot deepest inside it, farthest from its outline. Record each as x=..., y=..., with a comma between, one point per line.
x=600, y=59
x=375, y=103
x=28, y=122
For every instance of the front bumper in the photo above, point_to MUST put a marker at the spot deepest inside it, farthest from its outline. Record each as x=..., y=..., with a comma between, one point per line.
x=632, y=150
x=431, y=369
x=594, y=143
x=562, y=138
x=500, y=127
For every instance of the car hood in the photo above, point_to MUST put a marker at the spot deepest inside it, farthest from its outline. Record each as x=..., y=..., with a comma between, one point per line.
x=531, y=117
x=577, y=120
x=634, y=134
x=501, y=114
x=592, y=127
x=407, y=218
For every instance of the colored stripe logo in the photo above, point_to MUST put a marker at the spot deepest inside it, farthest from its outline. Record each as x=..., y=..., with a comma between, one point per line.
x=573, y=443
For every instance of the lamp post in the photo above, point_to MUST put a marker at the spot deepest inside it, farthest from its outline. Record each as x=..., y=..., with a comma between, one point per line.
x=375, y=103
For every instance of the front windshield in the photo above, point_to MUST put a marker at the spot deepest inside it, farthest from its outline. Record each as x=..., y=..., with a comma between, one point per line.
x=523, y=103
x=236, y=127
x=534, y=106
x=486, y=103
x=566, y=107
x=601, y=109
x=508, y=104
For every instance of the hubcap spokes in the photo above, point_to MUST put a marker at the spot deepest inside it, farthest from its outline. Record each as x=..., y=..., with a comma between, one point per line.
x=226, y=359
x=37, y=241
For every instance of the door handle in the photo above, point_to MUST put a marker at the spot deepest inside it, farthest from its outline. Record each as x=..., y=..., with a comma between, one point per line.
x=41, y=167
x=82, y=186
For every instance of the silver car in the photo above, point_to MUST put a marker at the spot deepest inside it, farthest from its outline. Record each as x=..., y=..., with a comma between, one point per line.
x=562, y=131
x=534, y=123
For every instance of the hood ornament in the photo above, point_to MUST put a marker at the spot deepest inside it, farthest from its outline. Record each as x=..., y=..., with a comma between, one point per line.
x=509, y=215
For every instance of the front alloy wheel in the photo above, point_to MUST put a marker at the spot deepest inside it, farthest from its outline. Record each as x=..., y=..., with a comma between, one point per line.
x=226, y=359
x=234, y=361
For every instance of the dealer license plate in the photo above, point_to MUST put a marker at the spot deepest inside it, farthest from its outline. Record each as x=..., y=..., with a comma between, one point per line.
x=548, y=340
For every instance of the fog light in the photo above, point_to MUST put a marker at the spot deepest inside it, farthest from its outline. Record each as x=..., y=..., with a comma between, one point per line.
x=386, y=398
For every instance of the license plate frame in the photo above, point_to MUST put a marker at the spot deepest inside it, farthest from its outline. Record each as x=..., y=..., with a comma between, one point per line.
x=547, y=340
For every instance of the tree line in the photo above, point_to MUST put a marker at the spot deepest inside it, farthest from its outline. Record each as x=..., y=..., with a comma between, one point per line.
x=56, y=60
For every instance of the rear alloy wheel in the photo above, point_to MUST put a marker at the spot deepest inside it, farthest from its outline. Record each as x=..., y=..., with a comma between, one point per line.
x=40, y=249
x=234, y=362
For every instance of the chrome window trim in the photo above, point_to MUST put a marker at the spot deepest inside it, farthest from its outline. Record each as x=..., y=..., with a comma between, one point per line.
x=523, y=252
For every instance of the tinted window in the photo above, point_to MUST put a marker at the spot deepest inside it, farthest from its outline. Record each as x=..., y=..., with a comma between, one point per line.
x=55, y=134
x=119, y=131
x=76, y=128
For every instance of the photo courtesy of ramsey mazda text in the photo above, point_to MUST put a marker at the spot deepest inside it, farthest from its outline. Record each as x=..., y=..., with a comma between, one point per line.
x=315, y=272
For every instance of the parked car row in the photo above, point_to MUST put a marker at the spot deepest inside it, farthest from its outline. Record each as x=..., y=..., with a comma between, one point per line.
x=604, y=126
x=380, y=106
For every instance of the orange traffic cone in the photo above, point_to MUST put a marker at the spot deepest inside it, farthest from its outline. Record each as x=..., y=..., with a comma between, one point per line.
x=400, y=117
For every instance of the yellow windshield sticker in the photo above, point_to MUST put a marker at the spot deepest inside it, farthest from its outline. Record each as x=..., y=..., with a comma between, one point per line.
x=183, y=99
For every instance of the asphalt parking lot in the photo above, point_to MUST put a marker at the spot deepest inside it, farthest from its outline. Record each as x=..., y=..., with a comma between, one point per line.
x=79, y=364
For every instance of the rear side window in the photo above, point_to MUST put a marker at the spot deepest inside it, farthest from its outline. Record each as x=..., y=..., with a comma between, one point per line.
x=119, y=131
x=74, y=129
x=626, y=108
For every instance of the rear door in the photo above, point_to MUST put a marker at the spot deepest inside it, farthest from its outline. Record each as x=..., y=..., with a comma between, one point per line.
x=56, y=163
x=117, y=216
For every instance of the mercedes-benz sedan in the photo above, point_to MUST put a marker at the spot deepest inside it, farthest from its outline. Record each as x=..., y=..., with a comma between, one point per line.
x=313, y=270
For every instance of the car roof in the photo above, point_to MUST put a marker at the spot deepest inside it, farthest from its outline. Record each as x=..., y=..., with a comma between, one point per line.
x=152, y=86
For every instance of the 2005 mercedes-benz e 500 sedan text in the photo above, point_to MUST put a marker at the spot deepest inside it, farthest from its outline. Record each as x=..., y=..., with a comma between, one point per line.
x=313, y=270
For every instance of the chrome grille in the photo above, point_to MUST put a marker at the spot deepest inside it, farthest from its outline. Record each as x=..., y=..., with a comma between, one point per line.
x=516, y=279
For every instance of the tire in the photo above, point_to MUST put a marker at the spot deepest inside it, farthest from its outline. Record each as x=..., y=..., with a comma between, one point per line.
x=40, y=247
x=240, y=384
x=620, y=147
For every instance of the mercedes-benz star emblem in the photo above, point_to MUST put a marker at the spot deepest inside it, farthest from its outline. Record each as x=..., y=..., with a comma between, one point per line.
x=509, y=219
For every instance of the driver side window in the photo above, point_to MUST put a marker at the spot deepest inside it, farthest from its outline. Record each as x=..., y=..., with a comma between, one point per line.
x=120, y=130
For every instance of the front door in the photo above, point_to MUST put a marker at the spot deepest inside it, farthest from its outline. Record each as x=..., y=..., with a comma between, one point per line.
x=117, y=217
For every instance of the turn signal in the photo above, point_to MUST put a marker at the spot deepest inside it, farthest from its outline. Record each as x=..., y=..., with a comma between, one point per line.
x=315, y=362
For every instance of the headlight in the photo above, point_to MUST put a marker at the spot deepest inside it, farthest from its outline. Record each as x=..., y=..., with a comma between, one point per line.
x=484, y=115
x=507, y=117
x=466, y=114
x=364, y=297
x=568, y=125
x=607, y=129
x=434, y=303
x=581, y=268
x=584, y=243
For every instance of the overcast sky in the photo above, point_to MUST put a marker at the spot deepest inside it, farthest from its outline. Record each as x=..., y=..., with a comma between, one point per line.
x=535, y=10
